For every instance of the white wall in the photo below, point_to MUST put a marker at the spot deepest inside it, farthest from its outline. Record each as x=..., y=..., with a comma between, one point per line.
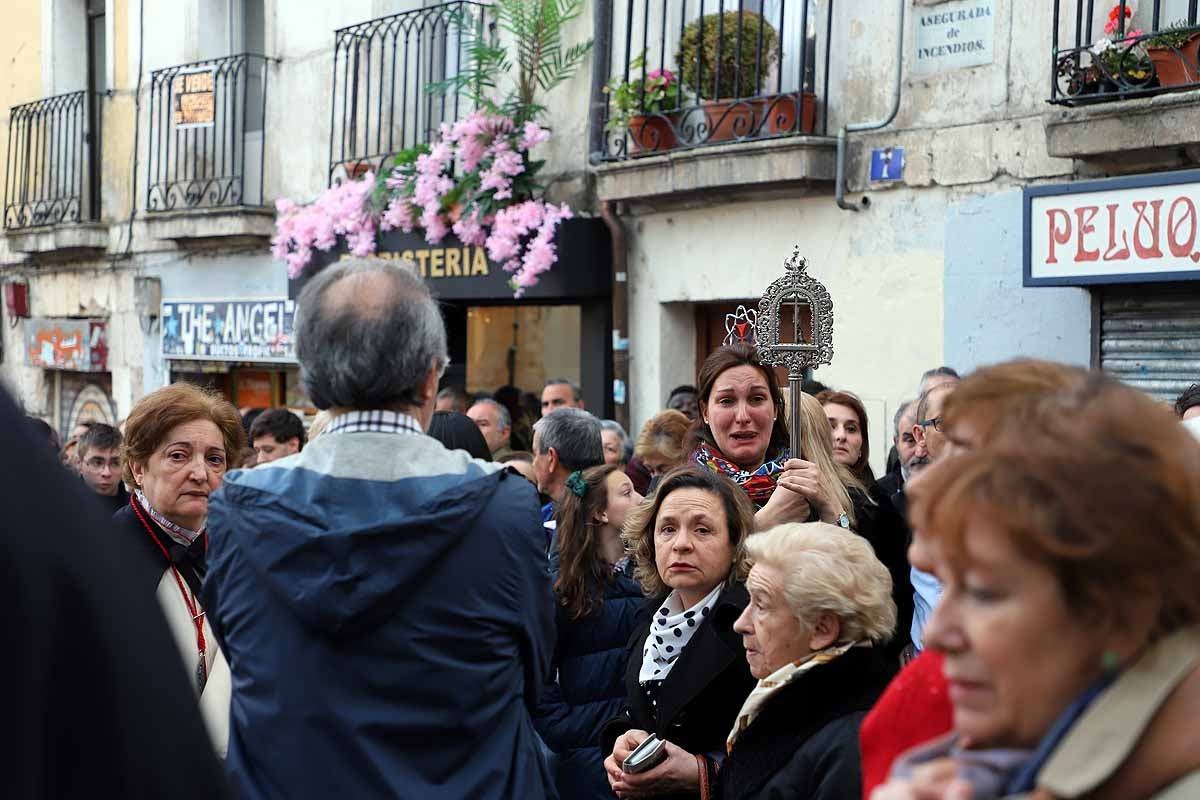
x=883, y=271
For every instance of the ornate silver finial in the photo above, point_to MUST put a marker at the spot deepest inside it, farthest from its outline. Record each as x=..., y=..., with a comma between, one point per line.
x=796, y=262
x=795, y=331
x=795, y=320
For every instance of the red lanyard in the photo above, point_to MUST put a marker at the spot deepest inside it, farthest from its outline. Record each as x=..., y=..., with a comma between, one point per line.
x=192, y=607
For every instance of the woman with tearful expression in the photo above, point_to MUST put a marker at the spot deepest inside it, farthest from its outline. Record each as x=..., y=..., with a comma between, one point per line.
x=686, y=676
x=177, y=444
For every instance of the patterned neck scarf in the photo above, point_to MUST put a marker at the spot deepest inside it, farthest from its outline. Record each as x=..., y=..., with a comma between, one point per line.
x=177, y=532
x=758, y=485
x=778, y=679
x=670, y=631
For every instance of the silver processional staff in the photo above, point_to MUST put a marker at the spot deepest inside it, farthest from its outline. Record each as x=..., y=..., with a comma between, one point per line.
x=795, y=331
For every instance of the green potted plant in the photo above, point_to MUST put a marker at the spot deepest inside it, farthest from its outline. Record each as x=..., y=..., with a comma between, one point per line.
x=1175, y=52
x=646, y=107
x=724, y=59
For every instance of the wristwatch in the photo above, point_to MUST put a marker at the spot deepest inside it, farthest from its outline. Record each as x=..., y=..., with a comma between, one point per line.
x=843, y=521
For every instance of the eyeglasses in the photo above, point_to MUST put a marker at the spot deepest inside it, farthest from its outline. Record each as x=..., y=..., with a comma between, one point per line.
x=936, y=422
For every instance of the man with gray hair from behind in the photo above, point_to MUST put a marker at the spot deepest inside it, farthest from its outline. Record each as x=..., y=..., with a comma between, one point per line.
x=564, y=441
x=383, y=601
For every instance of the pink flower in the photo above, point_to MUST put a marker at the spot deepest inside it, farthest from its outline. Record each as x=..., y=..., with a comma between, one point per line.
x=533, y=135
x=362, y=242
x=399, y=214
x=469, y=229
x=475, y=159
x=434, y=225
x=397, y=180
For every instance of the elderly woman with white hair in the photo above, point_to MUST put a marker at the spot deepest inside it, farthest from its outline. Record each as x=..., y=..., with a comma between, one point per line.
x=820, y=604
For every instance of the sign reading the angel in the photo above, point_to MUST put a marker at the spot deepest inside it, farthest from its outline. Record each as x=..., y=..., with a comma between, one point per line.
x=795, y=331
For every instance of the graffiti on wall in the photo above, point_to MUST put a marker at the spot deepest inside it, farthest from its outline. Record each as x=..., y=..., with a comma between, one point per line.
x=78, y=345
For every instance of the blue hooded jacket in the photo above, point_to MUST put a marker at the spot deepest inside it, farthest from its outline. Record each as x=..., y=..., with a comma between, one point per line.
x=387, y=616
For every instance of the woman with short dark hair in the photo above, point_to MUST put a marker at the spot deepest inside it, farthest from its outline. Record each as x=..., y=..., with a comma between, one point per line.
x=686, y=677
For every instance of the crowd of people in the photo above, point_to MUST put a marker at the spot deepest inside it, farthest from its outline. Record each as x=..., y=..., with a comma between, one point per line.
x=434, y=594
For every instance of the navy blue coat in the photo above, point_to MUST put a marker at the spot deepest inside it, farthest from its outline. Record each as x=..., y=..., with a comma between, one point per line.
x=388, y=619
x=591, y=658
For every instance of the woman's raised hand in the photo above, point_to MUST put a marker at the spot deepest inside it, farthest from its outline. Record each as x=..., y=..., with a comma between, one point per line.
x=805, y=478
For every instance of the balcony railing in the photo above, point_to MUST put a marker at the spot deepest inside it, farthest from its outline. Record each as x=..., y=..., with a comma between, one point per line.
x=691, y=73
x=1112, y=51
x=206, y=134
x=49, y=175
x=380, y=71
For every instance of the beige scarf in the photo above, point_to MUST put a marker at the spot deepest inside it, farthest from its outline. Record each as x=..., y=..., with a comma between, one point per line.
x=781, y=677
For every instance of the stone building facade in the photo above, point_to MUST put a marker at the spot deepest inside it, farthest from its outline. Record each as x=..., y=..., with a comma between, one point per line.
x=928, y=270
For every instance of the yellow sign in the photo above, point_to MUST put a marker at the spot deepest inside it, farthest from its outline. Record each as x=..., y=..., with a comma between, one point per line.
x=443, y=262
x=193, y=100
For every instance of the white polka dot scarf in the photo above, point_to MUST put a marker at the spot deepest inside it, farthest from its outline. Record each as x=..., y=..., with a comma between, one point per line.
x=670, y=630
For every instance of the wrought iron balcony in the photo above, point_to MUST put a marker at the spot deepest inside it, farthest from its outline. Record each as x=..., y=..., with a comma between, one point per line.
x=51, y=147
x=207, y=133
x=690, y=73
x=380, y=71
x=1103, y=53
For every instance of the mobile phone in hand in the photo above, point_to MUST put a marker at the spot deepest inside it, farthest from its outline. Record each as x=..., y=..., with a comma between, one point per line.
x=648, y=755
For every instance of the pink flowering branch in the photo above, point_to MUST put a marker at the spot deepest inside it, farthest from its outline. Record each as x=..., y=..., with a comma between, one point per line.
x=475, y=181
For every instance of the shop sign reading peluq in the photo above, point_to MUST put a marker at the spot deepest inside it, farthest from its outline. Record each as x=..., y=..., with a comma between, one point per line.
x=228, y=330
x=1139, y=229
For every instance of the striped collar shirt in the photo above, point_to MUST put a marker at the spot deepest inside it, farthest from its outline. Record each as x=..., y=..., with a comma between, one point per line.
x=374, y=421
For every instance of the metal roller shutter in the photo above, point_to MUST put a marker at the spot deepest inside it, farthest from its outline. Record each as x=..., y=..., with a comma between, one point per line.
x=1150, y=338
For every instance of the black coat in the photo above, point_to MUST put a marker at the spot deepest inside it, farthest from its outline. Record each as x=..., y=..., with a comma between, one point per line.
x=803, y=745
x=98, y=702
x=703, y=693
x=885, y=529
x=590, y=661
x=146, y=561
x=891, y=486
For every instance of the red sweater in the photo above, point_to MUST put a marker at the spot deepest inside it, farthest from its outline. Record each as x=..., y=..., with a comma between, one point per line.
x=913, y=709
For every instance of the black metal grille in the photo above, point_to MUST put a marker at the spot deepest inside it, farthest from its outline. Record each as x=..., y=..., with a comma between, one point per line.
x=380, y=71
x=1103, y=51
x=746, y=69
x=49, y=162
x=217, y=162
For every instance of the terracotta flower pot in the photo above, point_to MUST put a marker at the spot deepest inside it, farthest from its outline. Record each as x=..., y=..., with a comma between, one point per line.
x=734, y=119
x=652, y=133
x=782, y=109
x=1177, y=67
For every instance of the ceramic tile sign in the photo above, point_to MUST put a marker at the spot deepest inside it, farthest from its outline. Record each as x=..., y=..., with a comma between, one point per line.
x=887, y=164
x=954, y=35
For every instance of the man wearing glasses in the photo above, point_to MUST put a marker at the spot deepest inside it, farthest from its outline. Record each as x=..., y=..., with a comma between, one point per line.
x=932, y=445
